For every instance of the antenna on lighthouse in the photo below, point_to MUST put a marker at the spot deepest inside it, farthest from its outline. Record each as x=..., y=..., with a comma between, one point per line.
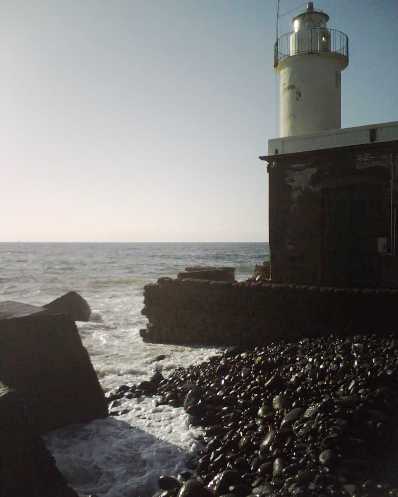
x=276, y=49
x=277, y=19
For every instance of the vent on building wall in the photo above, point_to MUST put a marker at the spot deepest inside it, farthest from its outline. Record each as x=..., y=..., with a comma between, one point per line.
x=372, y=135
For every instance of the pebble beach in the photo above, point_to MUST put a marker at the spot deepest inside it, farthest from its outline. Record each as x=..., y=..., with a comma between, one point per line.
x=311, y=418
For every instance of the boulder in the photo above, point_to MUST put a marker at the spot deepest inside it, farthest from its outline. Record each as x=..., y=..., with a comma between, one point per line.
x=43, y=358
x=208, y=273
x=72, y=305
x=262, y=272
x=27, y=469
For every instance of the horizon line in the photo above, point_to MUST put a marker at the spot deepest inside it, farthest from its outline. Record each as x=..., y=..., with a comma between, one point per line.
x=96, y=241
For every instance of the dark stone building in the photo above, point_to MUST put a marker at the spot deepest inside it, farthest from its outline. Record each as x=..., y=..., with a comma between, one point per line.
x=333, y=210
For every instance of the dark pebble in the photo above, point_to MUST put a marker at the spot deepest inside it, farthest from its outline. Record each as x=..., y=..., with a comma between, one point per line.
x=194, y=488
x=168, y=483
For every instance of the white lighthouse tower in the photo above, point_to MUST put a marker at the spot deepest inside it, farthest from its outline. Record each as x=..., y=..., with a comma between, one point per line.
x=309, y=61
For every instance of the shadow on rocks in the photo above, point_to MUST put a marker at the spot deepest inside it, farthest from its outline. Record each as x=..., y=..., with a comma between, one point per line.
x=109, y=457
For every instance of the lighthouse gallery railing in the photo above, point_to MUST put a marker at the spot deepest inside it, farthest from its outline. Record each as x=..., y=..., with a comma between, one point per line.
x=311, y=41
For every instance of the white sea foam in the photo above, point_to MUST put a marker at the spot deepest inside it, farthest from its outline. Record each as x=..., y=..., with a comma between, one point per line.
x=124, y=456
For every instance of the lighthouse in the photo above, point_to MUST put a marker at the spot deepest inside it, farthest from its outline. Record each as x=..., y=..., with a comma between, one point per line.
x=333, y=191
x=309, y=61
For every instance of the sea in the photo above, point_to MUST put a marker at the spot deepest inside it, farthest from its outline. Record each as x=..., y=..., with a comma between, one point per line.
x=120, y=456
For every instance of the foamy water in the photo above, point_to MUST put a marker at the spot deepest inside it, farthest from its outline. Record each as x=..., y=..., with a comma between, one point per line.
x=122, y=456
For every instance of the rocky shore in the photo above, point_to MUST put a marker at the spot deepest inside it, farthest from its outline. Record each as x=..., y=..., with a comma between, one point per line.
x=309, y=418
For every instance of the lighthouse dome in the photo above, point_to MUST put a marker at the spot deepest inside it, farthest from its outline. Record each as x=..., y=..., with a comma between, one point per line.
x=310, y=19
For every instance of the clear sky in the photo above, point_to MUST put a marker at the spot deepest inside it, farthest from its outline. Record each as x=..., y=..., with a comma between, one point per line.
x=143, y=120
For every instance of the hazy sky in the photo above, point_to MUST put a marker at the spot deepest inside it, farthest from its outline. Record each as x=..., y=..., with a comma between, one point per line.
x=143, y=120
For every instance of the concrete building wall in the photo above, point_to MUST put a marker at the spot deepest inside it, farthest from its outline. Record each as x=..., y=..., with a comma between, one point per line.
x=329, y=213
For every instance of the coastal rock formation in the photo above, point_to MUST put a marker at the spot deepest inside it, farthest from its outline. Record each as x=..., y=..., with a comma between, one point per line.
x=42, y=357
x=26, y=467
x=262, y=272
x=72, y=305
x=194, y=311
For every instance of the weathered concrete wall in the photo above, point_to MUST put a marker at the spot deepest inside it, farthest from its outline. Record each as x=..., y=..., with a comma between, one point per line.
x=327, y=211
x=208, y=273
x=209, y=312
x=43, y=358
x=27, y=469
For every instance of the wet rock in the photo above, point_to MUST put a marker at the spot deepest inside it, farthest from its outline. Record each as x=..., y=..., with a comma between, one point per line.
x=159, y=357
x=272, y=381
x=147, y=387
x=278, y=466
x=279, y=402
x=263, y=490
x=168, y=483
x=327, y=457
x=265, y=411
x=193, y=403
x=265, y=469
x=246, y=443
x=72, y=305
x=350, y=489
x=194, y=488
x=184, y=476
x=220, y=483
x=156, y=378
x=292, y=416
x=311, y=411
x=269, y=439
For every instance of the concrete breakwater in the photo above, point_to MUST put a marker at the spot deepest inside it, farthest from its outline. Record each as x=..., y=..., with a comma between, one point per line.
x=193, y=311
x=47, y=381
x=42, y=357
x=27, y=468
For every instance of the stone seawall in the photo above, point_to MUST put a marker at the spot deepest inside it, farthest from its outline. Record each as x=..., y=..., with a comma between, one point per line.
x=193, y=311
